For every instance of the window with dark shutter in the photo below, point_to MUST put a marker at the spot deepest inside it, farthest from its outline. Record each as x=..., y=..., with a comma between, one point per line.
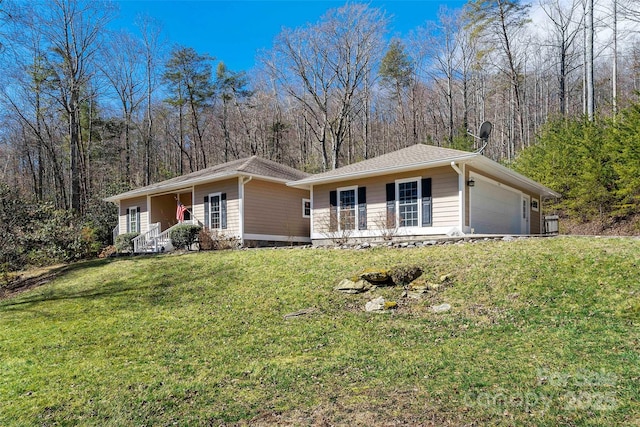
x=207, y=220
x=223, y=211
x=391, y=205
x=333, y=210
x=408, y=197
x=215, y=211
x=362, y=208
x=427, y=203
x=133, y=220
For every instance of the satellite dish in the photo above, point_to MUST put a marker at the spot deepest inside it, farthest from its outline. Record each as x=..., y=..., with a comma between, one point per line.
x=485, y=130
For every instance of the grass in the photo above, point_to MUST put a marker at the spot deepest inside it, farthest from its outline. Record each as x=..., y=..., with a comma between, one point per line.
x=541, y=332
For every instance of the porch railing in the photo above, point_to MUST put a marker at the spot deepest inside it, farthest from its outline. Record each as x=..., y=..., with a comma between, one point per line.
x=115, y=233
x=155, y=240
x=141, y=243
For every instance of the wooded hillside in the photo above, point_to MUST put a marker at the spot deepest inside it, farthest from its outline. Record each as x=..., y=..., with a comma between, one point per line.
x=88, y=112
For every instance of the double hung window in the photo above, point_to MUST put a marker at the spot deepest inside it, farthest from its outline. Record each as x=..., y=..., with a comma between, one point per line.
x=347, y=209
x=408, y=212
x=214, y=211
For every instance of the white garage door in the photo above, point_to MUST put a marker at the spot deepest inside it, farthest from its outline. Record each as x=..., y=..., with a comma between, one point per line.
x=494, y=209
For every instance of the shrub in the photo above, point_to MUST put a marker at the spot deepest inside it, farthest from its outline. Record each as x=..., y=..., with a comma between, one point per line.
x=206, y=240
x=100, y=217
x=215, y=241
x=184, y=236
x=35, y=233
x=124, y=242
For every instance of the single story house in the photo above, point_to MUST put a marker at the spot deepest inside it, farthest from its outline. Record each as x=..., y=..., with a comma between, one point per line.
x=247, y=199
x=421, y=191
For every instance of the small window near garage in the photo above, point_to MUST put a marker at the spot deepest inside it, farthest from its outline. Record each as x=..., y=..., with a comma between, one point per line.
x=535, y=205
x=306, y=208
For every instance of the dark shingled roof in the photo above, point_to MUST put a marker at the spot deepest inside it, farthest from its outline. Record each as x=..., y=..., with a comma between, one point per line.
x=254, y=166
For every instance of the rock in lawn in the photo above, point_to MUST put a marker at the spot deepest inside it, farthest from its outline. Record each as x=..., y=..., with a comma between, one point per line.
x=402, y=275
x=375, y=305
x=377, y=277
x=302, y=312
x=416, y=289
x=417, y=294
x=440, y=308
x=446, y=278
x=350, y=287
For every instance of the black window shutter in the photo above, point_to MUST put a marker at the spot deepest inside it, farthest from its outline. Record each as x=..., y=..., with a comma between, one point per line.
x=207, y=221
x=427, y=203
x=391, y=205
x=138, y=220
x=333, y=210
x=362, y=208
x=223, y=210
x=128, y=222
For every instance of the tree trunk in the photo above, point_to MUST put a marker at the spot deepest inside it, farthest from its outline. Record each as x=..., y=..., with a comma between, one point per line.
x=589, y=63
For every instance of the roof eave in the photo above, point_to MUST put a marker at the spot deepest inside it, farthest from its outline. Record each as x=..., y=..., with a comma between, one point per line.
x=308, y=182
x=543, y=191
x=266, y=178
x=145, y=191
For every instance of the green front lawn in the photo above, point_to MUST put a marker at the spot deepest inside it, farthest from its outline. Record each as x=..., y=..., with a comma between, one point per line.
x=541, y=332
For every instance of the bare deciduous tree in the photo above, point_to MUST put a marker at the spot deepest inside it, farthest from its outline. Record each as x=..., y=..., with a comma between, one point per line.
x=73, y=29
x=324, y=66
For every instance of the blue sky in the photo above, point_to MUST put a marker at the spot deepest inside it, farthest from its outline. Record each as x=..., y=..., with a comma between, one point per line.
x=235, y=31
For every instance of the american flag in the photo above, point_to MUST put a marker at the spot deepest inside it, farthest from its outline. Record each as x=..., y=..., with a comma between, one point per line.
x=180, y=212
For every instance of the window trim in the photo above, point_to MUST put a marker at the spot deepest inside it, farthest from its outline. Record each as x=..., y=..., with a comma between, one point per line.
x=535, y=205
x=304, y=208
x=208, y=220
x=353, y=188
x=133, y=210
x=417, y=180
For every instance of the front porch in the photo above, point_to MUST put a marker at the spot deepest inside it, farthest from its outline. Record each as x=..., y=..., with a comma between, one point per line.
x=155, y=240
x=162, y=216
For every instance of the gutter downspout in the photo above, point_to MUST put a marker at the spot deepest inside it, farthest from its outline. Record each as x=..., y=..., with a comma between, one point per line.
x=461, y=198
x=242, y=180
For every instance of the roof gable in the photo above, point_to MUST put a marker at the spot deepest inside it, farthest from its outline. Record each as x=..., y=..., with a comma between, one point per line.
x=421, y=156
x=251, y=166
x=416, y=155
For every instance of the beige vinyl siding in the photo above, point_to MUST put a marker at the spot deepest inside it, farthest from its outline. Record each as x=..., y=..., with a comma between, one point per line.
x=229, y=186
x=137, y=202
x=444, y=188
x=274, y=209
x=446, y=205
x=534, y=217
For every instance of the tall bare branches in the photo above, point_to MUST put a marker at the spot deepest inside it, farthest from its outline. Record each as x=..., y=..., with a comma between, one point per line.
x=325, y=66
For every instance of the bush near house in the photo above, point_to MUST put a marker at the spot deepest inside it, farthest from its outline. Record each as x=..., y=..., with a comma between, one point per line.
x=36, y=233
x=184, y=236
x=124, y=242
x=215, y=241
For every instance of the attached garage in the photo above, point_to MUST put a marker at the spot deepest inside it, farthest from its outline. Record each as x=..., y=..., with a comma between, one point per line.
x=495, y=208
